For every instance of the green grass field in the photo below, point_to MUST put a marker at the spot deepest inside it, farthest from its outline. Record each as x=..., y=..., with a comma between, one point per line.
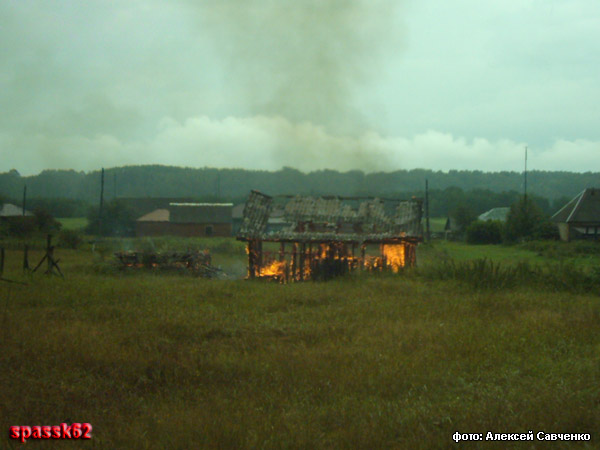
x=437, y=224
x=380, y=361
x=73, y=223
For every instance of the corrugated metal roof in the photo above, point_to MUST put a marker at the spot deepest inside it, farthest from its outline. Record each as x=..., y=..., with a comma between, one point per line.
x=495, y=214
x=158, y=215
x=314, y=219
x=205, y=213
x=10, y=210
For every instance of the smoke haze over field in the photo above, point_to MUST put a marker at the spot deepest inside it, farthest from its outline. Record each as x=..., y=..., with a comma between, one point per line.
x=261, y=84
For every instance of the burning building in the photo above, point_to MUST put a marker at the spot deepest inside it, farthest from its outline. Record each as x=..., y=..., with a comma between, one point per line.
x=329, y=236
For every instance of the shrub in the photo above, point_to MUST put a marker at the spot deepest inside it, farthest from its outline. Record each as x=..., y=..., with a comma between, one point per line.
x=21, y=226
x=524, y=220
x=483, y=274
x=45, y=222
x=587, y=247
x=485, y=232
x=480, y=273
x=546, y=230
x=70, y=239
x=118, y=219
x=558, y=249
x=464, y=216
x=4, y=228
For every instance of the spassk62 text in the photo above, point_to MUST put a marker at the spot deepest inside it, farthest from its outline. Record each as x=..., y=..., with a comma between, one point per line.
x=62, y=431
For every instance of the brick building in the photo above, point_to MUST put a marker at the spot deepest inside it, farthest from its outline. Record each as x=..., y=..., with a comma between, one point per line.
x=188, y=220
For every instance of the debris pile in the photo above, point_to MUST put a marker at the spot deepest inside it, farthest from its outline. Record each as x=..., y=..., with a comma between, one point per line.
x=196, y=262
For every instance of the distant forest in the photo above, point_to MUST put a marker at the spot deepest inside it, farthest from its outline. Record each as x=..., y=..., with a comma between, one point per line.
x=67, y=193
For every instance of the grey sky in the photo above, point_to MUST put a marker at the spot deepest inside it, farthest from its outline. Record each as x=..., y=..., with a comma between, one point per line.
x=312, y=84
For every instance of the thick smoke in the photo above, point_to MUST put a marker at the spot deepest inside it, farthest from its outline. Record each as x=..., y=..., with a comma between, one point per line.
x=303, y=60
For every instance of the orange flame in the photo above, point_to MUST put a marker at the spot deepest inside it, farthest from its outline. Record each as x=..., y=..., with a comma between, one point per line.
x=394, y=257
x=275, y=269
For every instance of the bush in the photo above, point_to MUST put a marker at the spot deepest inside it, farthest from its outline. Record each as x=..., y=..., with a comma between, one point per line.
x=547, y=231
x=70, y=239
x=118, y=219
x=524, y=220
x=4, y=228
x=21, y=226
x=463, y=216
x=485, y=232
x=45, y=222
x=559, y=249
x=482, y=274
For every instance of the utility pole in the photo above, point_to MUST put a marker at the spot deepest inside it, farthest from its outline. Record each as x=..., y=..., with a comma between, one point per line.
x=101, y=202
x=218, y=185
x=24, y=198
x=525, y=177
x=115, y=185
x=427, y=233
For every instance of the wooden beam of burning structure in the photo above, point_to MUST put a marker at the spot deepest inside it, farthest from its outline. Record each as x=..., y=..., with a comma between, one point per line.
x=323, y=235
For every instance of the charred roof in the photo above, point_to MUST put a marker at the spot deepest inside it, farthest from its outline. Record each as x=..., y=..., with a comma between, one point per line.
x=314, y=219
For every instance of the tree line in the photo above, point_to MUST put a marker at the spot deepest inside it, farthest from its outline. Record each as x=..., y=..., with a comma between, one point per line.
x=68, y=193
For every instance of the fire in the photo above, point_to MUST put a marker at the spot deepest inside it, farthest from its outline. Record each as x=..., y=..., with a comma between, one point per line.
x=323, y=253
x=323, y=261
x=275, y=269
x=394, y=257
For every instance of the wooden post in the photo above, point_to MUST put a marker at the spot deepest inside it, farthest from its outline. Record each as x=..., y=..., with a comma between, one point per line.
x=24, y=198
x=294, y=260
x=259, y=254
x=310, y=260
x=301, y=265
x=427, y=231
x=287, y=272
x=281, y=251
x=250, y=260
x=50, y=253
x=25, y=258
x=346, y=267
x=362, y=256
x=101, y=203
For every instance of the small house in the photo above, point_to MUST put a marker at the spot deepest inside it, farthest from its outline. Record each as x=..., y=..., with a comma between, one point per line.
x=580, y=218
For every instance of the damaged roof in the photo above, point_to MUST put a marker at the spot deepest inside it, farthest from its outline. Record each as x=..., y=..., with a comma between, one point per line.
x=332, y=218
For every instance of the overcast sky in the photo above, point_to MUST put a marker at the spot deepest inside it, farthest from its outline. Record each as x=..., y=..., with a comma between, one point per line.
x=311, y=84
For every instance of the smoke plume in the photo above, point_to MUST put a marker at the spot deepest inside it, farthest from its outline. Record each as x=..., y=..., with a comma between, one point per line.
x=303, y=60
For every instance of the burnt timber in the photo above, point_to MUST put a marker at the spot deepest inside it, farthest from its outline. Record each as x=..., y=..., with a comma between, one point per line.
x=330, y=235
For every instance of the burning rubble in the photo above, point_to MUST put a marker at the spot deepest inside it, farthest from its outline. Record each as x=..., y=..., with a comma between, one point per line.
x=195, y=262
x=327, y=237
